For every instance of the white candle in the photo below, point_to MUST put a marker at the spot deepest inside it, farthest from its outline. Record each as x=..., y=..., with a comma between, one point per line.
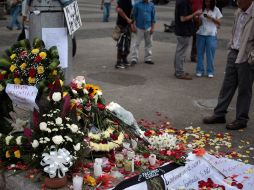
x=152, y=159
x=77, y=182
x=132, y=165
x=97, y=169
x=130, y=154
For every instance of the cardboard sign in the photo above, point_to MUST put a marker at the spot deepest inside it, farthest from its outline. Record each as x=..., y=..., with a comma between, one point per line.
x=72, y=16
x=22, y=95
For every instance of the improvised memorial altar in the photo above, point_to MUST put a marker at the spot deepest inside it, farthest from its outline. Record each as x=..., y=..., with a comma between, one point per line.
x=75, y=134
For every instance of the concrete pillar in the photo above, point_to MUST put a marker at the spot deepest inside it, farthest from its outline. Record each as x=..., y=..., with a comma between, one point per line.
x=49, y=14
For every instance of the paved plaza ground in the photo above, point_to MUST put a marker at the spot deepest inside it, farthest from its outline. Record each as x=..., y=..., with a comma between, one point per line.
x=147, y=89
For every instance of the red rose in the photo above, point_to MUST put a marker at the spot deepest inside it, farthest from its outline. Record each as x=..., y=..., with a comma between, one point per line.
x=104, y=141
x=148, y=133
x=32, y=73
x=114, y=137
x=101, y=106
x=1, y=76
x=16, y=74
x=23, y=54
x=145, y=155
x=14, y=149
x=37, y=59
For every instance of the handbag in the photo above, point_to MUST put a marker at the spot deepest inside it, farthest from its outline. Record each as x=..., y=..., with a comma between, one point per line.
x=116, y=33
x=22, y=35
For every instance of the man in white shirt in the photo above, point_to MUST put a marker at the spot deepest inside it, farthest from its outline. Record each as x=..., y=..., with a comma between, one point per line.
x=239, y=70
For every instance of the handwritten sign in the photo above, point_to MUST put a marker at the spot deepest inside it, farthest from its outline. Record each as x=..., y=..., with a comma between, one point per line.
x=198, y=168
x=22, y=95
x=72, y=16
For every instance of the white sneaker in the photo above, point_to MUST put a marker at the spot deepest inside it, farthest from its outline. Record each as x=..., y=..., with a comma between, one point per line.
x=210, y=75
x=198, y=74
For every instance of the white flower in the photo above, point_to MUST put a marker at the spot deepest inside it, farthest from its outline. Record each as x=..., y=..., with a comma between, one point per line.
x=57, y=96
x=35, y=143
x=48, y=130
x=74, y=128
x=77, y=147
x=58, y=139
x=8, y=139
x=85, y=91
x=43, y=126
x=1, y=134
x=68, y=138
x=74, y=91
x=59, y=121
x=18, y=140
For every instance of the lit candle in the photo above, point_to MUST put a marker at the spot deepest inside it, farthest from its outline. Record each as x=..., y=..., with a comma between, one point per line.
x=97, y=169
x=152, y=159
x=77, y=182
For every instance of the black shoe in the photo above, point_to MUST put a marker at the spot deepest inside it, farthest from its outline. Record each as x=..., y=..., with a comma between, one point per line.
x=149, y=62
x=126, y=63
x=213, y=120
x=120, y=65
x=133, y=63
x=8, y=27
x=236, y=125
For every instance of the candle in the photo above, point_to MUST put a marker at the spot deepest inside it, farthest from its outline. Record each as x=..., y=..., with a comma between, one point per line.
x=119, y=160
x=77, y=182
x=128, y=165
x=132, y=165
x=152, y=159
x=97, y=169
x=99, y=161
x=134, y=143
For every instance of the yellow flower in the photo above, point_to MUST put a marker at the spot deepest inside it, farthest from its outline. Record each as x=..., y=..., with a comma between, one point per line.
x=17, y=81
x=31, y=80
x=23, y=66
x=40, y=70
x=65, y=93
x=35, y=51
x=89, y=180
x=13, y=56
x=12, y=68
x=17, y=154
x=1, y=88
x=7, y=154
x=43, y=55
x=3, y=72
x=61, y=82
x=54, y=72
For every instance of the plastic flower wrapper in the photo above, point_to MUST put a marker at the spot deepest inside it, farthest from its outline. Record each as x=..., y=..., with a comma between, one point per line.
x=57, y=127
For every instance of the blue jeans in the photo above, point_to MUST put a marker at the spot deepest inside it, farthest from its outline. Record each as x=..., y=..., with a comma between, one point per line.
x=206, y=44
x=106, y=12
x=15, y=12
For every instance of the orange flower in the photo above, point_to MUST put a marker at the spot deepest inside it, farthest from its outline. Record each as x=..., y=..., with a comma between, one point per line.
x=17, y=154
x=199, y=152
x=7, y=154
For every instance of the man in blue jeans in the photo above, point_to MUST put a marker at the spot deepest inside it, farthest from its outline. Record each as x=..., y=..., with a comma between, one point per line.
x=239, y=70
x=15, y=12
x=105, y=6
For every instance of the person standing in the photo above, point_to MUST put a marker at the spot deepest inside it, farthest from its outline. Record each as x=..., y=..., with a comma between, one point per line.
x=196, y=5
x=207, y=38
x=106, y=6
x=124, y=21
x=15, y=12
x=184, y=29
x=239, y=70
x=144, y=21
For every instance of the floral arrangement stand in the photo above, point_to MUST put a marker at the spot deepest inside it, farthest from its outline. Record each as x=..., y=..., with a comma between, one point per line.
x=55, y=183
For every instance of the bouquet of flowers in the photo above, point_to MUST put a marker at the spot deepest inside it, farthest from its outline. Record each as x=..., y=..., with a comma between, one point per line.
x=103, y=133
x=58, y=140
x=26, y=65
x=14, y=150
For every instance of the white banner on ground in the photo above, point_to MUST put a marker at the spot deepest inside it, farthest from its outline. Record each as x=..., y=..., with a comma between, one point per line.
x=72, y=16
x=23, y=96
x=198, y=168
x=57, y=37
